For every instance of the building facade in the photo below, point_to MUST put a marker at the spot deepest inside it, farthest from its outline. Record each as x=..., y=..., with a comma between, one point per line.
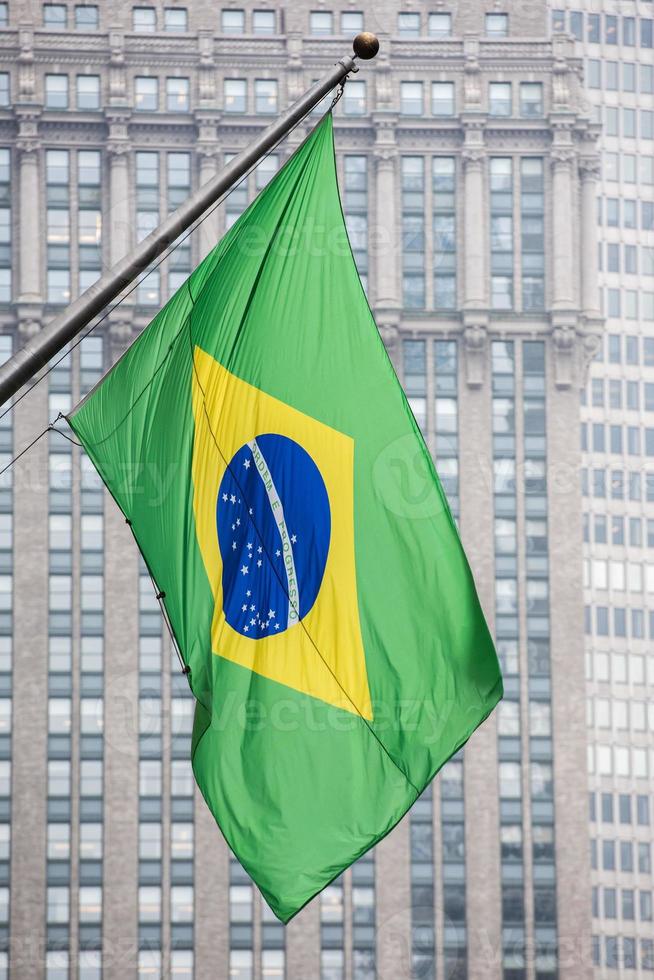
x=616, y=41
x=468, y=169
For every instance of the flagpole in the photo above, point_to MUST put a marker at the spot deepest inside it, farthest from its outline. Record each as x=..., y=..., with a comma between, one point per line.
x=44, y=345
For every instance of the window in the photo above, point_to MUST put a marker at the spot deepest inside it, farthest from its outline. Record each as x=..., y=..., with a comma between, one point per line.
x=144, y=19
x=354, y=98
x=55, y=16
x=90, y=841
x=181, y=778
x=443, y=196
x=411, y=98
x=241, y=964
x=88, y=91
x=272, y=963
x=150, y=777
x=442, y=98
x=594, y=28
x=233, y=21
x=146, y=94
x=235, y=95
x=440, y=25
x=499, y=99
x=610, y=29
x=629, y=31
x=558, y=21
x=4, y=89
x=413, y=231
x=531, y=100
x=321, y=23
x=408, y=25
x=646, y=32
x=181, y=903
x=497, y=25
x=355, y=204
x=532, y=232
x=263, y=22
x=181, y=964
x=87, y=17
x=175, y=20
x=501, y=194
x=4, y=14
x=178, y=94
x=57, y=906
x=577, y=24
x=56, y=91
x=265, y=96
x=90, y=903
x=58, y=841
x=149, y=903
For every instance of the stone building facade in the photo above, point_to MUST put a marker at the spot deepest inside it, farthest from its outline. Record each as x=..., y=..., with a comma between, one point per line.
x=468, y=167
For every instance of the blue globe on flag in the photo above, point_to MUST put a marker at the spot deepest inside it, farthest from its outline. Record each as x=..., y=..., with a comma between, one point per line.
x=273, y=521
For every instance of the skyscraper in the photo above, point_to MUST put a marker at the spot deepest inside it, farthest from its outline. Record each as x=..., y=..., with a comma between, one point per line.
x=468, y=165
x=618, y=484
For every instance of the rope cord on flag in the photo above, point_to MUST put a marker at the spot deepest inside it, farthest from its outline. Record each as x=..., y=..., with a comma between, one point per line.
x=51, y=427
x=165, y=255
x=283, y=584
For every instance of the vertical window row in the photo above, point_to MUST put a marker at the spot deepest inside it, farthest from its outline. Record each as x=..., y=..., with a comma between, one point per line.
x=179, y=188
x=415, y=379
x=413, y=232
x=446, y=418
x=363, y=918
x=443, y=203
x=60, y=624
x=501, y=232
x=5, y=226
x=273, y=955
x=423, y=940
x=6, y=662
x=89, y=217
x=91, y=642
x=532, y=232
x=538, y=630
x=146, y=183
x=332, y=953
x=355, y=193
x=241, y=923
x=507, y=633
x=57, y=175
x=455, y=943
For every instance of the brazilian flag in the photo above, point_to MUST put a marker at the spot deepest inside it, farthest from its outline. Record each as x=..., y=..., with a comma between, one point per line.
x=257, y=440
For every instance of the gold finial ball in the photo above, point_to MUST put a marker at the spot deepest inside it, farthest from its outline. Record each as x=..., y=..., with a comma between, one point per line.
x=365, y=46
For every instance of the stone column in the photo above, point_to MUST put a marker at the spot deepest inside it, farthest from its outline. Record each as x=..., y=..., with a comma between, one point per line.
x=589, y=172
x=568, y=683
x=30, y=689
x=476, y=245
x=209, y=231
x=121, y=220
x=211, y=877
x=475, y=228
x=562, y=240
x=30, y=233
x=121, y=748
x=385, y=236
x=393, y=902
x=482, y=836
x=303, y=943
